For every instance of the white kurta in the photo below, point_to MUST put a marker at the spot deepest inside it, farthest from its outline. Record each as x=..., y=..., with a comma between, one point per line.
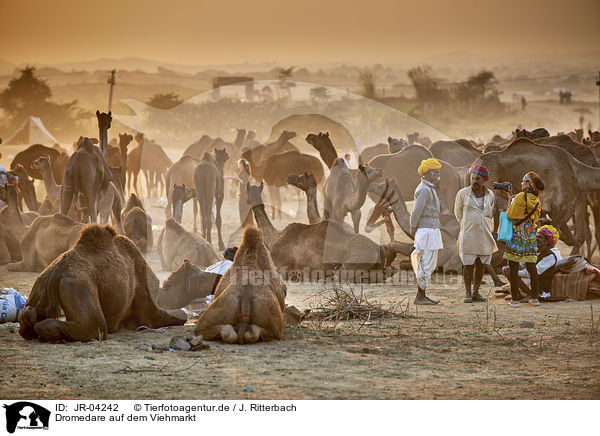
x=424, y=257
x=475, y=216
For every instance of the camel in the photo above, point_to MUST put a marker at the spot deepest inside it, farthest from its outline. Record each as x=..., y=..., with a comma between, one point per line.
x=240, y=139
x=308, y=184
x=244, y=176
x=416, y=139
x=117, y=157
x=154, y=163
x=198, y=148
x=388, y=197
x=280, y=165
x=533, y=135
x=104, y=121
x=134, y=163
x=46, y=239
x=137, y=224
x=343, y=195
x=14, y=222
x=9, y=247
x=57, y=158
x=86, y=173
x=257, y=157
x=182, y=173
x=243, y=311
x=51, y=204
x=393, y=146
x=179, y=196
x=185, y=285
x=26, y=189
x=209, y=184
x=324, y=248
x=250, y=141
x=459, y=153
x=102, y=284
x=175, y=244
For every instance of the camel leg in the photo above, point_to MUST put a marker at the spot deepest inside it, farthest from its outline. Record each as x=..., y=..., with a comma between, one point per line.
x=218, y=223
x=195, y=202
x=326, y=208
x=135, y=186
x=580, y=222
x=490, y=270
x=356, y=214
x=66, y=198
x=596, y=215
x=116, y=214
x=389, y=225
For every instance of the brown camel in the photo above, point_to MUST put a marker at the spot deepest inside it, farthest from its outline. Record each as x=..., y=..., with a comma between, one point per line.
x=137, y=224
x=154, y=163
x=185, y=285
x=388, y=197
x=179, y=196
x=14, y=222
x=210, y=186
x=104, y=121
x=51, y=204
x=307, y=183
x=175, y=244
x=393, y=146
x=102, y=284
x=257, y=157
x=9, y=247
x=46, y=239
x=533, y=135
x=243, y=311
x=459, y=153
x=134, y=163
x=322, y=249
x=117, y=157
x=280, y=165
x=250, y=141
x=198, y=148
x=87, y=179
x=343, y=195
x=244, y=176
x=416, y=139
x=181, y=173
x=57, y=158
x=240, y=139
x=26, y=189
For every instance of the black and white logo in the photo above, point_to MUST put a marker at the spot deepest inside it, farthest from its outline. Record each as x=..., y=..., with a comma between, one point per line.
x=26, y=415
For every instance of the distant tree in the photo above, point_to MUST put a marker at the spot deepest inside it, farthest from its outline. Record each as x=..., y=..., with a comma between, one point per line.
x=427, y=87
x=478, y=91
x=164, y=101
x=319, y=93
x=284, y=75
x=367, y=81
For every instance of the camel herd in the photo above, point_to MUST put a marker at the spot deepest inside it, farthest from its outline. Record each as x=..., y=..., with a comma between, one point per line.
x=98, y=275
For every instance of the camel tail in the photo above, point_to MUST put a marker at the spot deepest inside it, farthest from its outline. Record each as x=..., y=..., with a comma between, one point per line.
x=244, y=315
x=252, y=238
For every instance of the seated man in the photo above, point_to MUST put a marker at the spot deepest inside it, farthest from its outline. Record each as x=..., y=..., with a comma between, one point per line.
x=548, y=256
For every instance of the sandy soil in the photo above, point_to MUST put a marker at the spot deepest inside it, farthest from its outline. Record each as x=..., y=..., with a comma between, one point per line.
x=452, y=351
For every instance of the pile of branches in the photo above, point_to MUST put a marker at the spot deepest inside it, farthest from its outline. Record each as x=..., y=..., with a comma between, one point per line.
x=339, y=304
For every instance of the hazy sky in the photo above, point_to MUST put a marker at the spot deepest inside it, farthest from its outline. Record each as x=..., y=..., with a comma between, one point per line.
x=232, y=31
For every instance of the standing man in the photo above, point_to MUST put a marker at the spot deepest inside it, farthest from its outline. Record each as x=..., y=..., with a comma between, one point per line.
x=474, y=209
x=425, y=226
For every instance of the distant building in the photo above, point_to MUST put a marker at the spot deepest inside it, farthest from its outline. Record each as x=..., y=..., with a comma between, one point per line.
x=246, y=82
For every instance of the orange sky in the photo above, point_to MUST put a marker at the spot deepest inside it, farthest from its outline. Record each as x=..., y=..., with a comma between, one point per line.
x=228, y=31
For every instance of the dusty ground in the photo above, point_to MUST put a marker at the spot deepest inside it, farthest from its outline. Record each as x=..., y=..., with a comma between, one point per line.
x=452, y=351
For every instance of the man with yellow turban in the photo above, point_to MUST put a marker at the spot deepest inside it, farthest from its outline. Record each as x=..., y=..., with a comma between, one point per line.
x=425, y=226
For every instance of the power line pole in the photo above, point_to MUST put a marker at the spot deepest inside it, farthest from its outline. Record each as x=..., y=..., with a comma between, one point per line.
x=111, y=82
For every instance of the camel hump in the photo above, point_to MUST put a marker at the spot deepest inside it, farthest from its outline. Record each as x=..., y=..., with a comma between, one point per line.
x=174, y=225
x=96, y=237
x=252, y=238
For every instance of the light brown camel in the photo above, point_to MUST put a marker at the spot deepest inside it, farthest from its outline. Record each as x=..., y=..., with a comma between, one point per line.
x=175, y=244
x=393, y=146
x=564, y=176
x=137, y=224
x=104, y=121
x=243, y=311
x=250, y=141
x=9, y=247
x=117, y=157
x=179, y=196
x=26, y=189
x=416, y=139
x=240, y=138
x=459, y=153
x=343, y=195
x=181, y=173
x=86, y=179
x=244, y=176
x=280, y=165
x=210, y=187
x=307, y=183
x=154, y=163
x=321, y=249
x=102, y=284
x=198, y=148
x=134, y=163
x=185, y=285
x=51, y=204
x=46, y=239
x=388, y=198
x=57, y=158
x=258, y=156
x=14, y=222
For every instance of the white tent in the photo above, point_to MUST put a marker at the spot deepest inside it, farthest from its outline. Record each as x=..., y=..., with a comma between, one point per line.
x=32, y=131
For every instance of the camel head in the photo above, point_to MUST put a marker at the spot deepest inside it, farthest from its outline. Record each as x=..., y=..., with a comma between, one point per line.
x=41, y=163
x=124, y=140
x=221, y=156
x=254, y=194
x=286, y=135
x=20, y=172
x=412, y=138
x=395, y=145
x=251, y=135
x=370, y=173
x=104, y=119
x=304, y=181
x=187, y=280
x=180, y=196
x=140, y=138
x=319, y=141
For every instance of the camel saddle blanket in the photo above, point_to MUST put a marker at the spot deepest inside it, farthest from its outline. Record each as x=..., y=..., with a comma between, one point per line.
x=574, y=285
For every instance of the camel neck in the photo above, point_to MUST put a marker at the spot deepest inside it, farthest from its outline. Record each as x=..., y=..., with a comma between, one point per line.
x=361, y=193
x=588, y=178
x=401, y=214
x=264, y=222
x=103, y=139
x=12, y=205
x=49, y=183
x=312, y=210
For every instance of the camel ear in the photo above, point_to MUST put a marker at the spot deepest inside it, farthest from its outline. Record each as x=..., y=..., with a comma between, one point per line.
x=97, y=113
x=110, y=113
x=262, y=185
x=327, y=134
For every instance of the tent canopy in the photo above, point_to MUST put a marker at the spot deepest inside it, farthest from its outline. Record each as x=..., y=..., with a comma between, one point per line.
x=31, y=131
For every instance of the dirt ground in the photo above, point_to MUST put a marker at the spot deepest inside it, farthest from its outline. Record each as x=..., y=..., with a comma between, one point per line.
x=451, y=351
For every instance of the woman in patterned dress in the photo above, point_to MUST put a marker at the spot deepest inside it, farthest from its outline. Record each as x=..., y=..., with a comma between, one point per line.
x=523, y=245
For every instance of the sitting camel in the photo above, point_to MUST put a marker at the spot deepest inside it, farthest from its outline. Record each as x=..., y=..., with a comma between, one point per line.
x=185, y=285
x=58, y=160
x=308, y=184
x=102, y=284
x=176, y=244
x=47, y=238
x=26, y=189
x=137, y=224
x=51, y=204
x=14, y=223
x=243, y=311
